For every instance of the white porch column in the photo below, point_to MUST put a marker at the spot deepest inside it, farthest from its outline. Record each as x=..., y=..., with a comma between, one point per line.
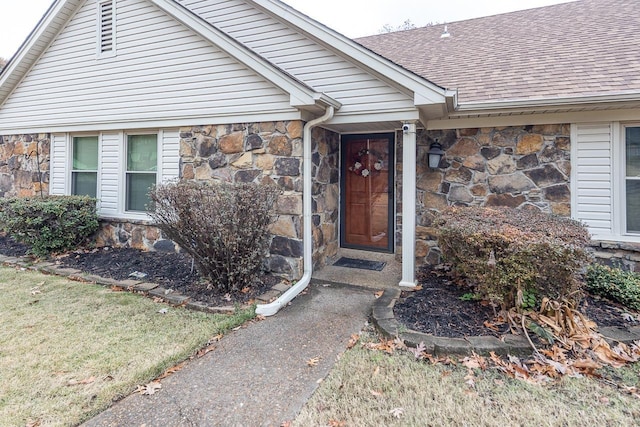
x=408, y=204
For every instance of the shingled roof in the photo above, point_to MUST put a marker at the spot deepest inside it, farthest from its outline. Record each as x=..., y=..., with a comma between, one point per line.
x=577, y=49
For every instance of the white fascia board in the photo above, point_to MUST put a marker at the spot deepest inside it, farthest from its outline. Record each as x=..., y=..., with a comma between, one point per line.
x=533, y=118
x=301, y=94
x=390, y=116
x=527, y=105
x=34, y=45
x=162, y=123
x=424, y=90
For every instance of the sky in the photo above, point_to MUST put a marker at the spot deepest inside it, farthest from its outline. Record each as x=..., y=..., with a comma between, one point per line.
x=353, y=18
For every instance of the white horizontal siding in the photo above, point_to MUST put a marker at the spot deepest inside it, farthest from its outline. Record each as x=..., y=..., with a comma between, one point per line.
x=170, y=154
x=594, y=186
x=162, y=70
x=59, y=161
x=111, y=161
x=316, y=65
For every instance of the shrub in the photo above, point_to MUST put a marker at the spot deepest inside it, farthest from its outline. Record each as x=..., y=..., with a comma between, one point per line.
x=49, y=224
x=224, y=227
x=615, y=284
x=510, y=253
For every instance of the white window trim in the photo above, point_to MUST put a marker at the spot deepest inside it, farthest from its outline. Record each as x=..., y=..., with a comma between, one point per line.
x=620, y=194
x=69, y=176
x=122, y=175
x=111, y=53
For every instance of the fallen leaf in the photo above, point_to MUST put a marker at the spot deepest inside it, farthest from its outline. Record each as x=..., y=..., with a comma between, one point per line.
x=397, y=412
x=419, y=351
x=84, y=381
x=286, y=424
x=245, y=290
x=171, y=370
x=376, y=371
x=336, y=423
x=313, y=361
x=378, y=294
x=149, y=389
x=115, y=288
x=205, y=350
x=33, y=423
x=353, y=340
x=376, y=393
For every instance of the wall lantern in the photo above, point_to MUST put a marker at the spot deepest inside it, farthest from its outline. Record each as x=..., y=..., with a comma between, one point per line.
x=434, y=154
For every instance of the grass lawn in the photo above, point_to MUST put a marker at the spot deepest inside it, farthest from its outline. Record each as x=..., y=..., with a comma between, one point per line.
x=372, y=388
x=68, y=349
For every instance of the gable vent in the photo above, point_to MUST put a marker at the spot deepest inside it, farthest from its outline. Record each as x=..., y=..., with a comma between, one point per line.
x=106, y=27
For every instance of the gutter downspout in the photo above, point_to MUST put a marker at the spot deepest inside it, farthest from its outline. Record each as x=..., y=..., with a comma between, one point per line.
x=307, y=234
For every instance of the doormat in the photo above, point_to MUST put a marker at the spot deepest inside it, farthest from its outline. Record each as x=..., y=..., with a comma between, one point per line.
x=360, y=263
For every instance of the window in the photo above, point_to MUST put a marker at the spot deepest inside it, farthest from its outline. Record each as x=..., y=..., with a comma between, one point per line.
x=106, y=27
x=84, y=171
x=142, y=165
x=632, y=178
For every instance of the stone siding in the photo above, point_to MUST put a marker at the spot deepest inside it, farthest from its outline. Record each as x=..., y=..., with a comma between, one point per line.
x=270, y=153
x=132, y=234
x=24, y=165
x=526, y=167
x=325, y=191
x=618, y=254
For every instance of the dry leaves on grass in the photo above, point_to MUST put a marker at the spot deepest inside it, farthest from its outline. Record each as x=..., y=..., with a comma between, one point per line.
x=353, y=340
x=397, y=412
x=386, y=345
x=550, y=364
x=82, y=382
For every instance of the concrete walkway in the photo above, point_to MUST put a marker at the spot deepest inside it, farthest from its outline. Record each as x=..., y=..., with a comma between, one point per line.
x=256, y=376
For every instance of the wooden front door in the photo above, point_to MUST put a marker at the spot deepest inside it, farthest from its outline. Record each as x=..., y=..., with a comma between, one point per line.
x=367, y=192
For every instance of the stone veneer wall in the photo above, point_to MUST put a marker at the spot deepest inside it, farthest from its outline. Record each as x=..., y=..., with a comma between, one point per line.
x=526, y=167
x=19, y=156
x=269, y=153
x=326, y=189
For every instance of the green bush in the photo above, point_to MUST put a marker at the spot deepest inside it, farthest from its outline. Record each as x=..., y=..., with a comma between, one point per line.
x=615, y=284
x=510, y=253
x=224, y=227
x=49, y=224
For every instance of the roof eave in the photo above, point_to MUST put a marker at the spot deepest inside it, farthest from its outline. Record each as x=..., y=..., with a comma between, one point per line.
x=533, y=105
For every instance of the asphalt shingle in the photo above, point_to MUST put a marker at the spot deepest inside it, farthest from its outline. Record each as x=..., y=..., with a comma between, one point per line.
x=582, y=48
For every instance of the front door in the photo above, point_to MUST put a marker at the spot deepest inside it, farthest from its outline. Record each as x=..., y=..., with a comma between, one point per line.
x=367, y=192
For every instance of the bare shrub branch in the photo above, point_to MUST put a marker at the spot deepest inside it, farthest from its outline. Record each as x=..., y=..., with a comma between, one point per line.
x=224, y=227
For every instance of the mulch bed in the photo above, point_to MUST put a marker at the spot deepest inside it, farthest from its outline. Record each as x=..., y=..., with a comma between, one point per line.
x=168, y=269
x=437, y=309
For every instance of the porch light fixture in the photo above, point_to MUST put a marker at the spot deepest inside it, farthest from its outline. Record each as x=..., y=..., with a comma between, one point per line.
x=435, y=154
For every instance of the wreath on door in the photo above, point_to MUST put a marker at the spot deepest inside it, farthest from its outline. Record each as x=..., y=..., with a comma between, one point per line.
x=365, y=162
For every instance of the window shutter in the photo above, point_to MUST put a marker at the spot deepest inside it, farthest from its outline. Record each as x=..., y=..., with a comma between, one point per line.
x=106, y=26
